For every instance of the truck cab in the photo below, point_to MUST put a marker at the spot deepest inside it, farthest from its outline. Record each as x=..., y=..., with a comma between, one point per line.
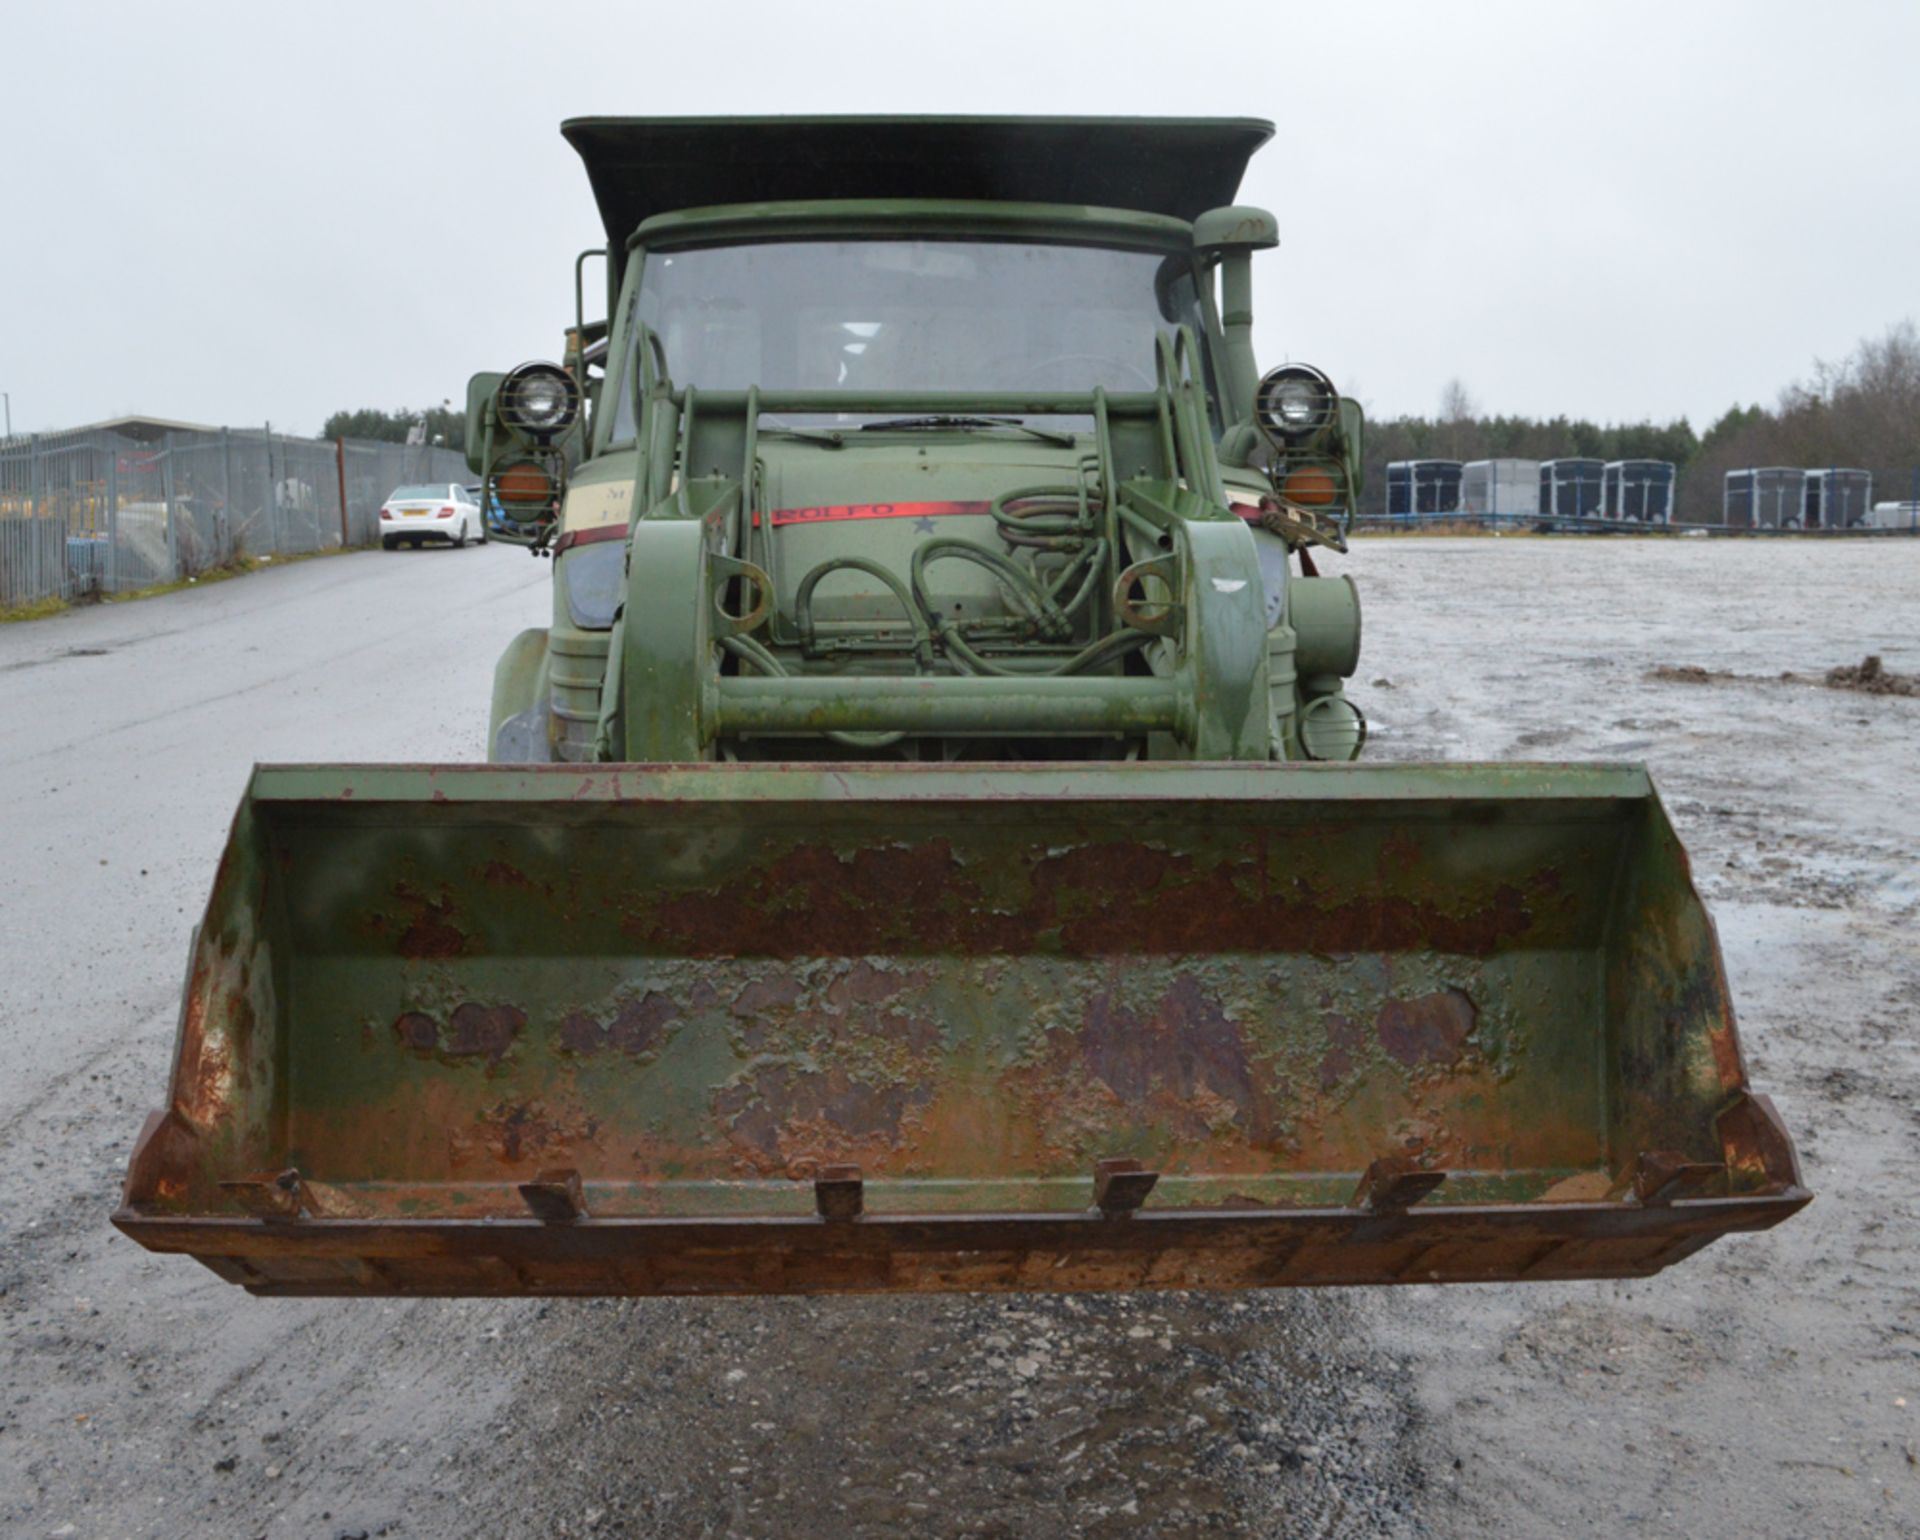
x=945, y=396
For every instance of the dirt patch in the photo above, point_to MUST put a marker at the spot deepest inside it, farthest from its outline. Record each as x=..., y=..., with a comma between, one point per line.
x=1871, y=677
x=1692, y=673
x=1868, y=677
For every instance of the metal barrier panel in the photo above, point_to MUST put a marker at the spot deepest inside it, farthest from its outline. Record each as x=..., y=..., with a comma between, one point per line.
x=202, y=532
x=32, y=548
x=255, y=531
x=306, y=495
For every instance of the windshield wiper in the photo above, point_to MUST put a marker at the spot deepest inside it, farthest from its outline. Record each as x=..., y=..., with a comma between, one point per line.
x=825, y=436
x=1064, y=440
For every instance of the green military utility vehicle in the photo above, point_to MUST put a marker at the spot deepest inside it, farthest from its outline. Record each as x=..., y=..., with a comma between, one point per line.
x=923, y=852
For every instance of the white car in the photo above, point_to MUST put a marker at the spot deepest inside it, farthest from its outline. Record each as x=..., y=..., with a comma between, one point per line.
x=443, y=511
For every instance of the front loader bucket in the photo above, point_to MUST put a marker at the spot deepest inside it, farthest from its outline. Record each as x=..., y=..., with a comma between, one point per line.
x=738, y=1029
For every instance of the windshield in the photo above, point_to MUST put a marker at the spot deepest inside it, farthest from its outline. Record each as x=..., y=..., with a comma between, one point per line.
x=417, y=494
x=910, y=315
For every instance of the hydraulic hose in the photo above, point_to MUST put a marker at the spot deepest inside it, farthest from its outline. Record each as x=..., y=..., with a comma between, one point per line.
x=1043, y=615
x=1110, y=648
x=803, y=604
x=1053, y=519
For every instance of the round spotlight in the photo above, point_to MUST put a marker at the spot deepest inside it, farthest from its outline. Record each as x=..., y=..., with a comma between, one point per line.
x=1294, y=402
x=540, y=400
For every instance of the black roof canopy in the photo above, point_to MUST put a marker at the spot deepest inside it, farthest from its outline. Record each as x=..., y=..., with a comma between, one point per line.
x=1181, y=167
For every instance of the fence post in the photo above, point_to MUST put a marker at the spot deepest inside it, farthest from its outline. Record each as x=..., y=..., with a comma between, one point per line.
x=340, y=471
x=111, y=583
x=166, y=493
x=225, y=532
x=273, y=490
x=33, y=502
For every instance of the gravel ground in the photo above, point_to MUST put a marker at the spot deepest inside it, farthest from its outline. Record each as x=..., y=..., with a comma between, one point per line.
x=1769, y=1385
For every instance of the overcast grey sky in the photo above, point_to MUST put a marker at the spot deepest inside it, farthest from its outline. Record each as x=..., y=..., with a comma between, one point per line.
x=238, y=213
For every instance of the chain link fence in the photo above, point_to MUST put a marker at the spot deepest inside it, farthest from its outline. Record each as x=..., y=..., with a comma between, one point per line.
x=100, y=511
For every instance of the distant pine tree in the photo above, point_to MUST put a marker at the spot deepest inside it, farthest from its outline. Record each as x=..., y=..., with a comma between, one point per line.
x=444, y=425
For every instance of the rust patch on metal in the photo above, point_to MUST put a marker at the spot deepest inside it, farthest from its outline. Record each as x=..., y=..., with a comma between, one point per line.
x=217, y=1031
x=864, y=984
x=206, y=1091
x=777, y=1107
x=471, y=1031
x=1714, y=1002
x=766, y=994
x=161, y=1156
x=1429, y=1029
x=1346, y=1040
x=513, y=1132
x=1757, y=1145
x=417, y=1031
x=1101, y=899
x=1106, y=897
x=483, y=1029
x=1187, y=1043
x=638, y=1026
x=431, y=932
x=858, y=1008
x=875, y=899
